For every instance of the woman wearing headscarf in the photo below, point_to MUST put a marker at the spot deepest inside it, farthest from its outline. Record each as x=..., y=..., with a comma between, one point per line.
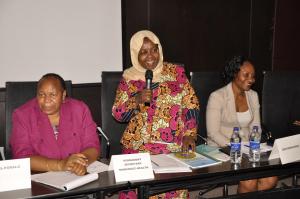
x=169, y=122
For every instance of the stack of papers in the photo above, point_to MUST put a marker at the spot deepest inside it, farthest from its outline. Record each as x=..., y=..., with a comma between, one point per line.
x=65, y=180
x=169, y=163
x=97, y=167
x=163, y=163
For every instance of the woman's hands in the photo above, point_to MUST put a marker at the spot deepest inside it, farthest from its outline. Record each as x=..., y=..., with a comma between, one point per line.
x=75, y=163
x=188, y=143
x=144, y=96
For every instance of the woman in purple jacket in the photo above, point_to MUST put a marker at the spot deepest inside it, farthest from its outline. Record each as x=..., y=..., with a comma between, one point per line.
x=57, y=133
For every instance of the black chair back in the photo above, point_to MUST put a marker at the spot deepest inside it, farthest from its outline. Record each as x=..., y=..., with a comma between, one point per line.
x=280, y=101
x=204, y=84
x=16, y=94
x=112, y=128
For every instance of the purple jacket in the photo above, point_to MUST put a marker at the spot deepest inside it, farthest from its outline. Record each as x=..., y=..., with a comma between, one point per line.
x=32, y=133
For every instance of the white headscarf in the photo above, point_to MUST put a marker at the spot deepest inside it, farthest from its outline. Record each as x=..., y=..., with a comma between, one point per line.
x=136, y=71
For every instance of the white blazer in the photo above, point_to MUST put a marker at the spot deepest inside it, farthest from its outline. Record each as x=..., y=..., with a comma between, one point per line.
x=221, y=115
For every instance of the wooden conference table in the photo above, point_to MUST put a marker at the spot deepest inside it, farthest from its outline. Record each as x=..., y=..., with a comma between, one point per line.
x=219, y=174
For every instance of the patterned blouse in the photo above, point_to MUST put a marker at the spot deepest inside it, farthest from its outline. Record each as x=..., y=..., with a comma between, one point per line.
x=160, y=127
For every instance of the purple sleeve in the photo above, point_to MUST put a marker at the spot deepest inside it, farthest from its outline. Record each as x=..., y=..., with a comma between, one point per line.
x=19, y=140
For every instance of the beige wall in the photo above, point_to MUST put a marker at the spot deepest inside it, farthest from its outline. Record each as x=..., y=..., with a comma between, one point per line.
x=75, y=38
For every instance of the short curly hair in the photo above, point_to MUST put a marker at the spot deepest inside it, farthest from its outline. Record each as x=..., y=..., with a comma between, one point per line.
x=232, y=67
x=55, y=76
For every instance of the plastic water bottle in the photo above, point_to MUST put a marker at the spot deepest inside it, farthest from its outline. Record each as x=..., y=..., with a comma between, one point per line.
x=254, y=145
x=235, y=146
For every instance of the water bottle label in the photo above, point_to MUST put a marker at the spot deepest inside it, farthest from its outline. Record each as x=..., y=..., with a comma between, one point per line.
x=254, y=145
x=235, y=146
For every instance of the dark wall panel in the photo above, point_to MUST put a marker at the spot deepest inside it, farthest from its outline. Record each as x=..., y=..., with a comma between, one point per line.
x=134, y=15
x=287, y=35
x=262, y=28
x=261, y=38
x=203, y=34
x=91, y=95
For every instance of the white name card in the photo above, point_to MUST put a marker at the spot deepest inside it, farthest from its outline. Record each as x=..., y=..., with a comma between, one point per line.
x=287, y=149
x=132, y=167
x=15, y=174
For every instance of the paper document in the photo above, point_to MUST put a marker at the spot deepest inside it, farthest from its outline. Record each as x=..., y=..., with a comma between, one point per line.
x=199, y=161
x=65, y=180
x=162, y=163
x=263, y=148
x=97, y=167
x=212, y=152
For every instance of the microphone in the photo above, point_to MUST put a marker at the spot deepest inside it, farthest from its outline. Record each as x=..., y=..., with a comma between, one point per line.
x=148, y=77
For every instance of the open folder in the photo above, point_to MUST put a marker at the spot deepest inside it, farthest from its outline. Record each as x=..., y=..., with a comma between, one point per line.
x=64, y=180
x=169, y=163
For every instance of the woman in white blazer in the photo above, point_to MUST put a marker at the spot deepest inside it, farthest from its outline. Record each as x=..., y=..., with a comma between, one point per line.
x=236, y=105
x=222, y=114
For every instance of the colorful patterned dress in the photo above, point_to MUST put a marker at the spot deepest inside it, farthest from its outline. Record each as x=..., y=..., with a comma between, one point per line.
x=160, y=127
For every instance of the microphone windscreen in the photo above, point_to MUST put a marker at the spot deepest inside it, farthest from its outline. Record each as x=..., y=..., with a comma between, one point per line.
x=149, y=74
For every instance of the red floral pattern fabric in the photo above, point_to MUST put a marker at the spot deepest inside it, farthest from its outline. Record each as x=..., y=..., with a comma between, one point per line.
x=172, y=114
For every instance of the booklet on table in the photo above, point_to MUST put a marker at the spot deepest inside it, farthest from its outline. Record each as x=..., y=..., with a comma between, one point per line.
x=198, y=161
x=66, y=181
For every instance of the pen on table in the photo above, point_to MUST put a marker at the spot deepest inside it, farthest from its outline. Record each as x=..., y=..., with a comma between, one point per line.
x=155, y=163
x=246, y=145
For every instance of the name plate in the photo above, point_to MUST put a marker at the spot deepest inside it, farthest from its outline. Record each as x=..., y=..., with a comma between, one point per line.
x=287, y=149
x=132, y=167
x=18, y=173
